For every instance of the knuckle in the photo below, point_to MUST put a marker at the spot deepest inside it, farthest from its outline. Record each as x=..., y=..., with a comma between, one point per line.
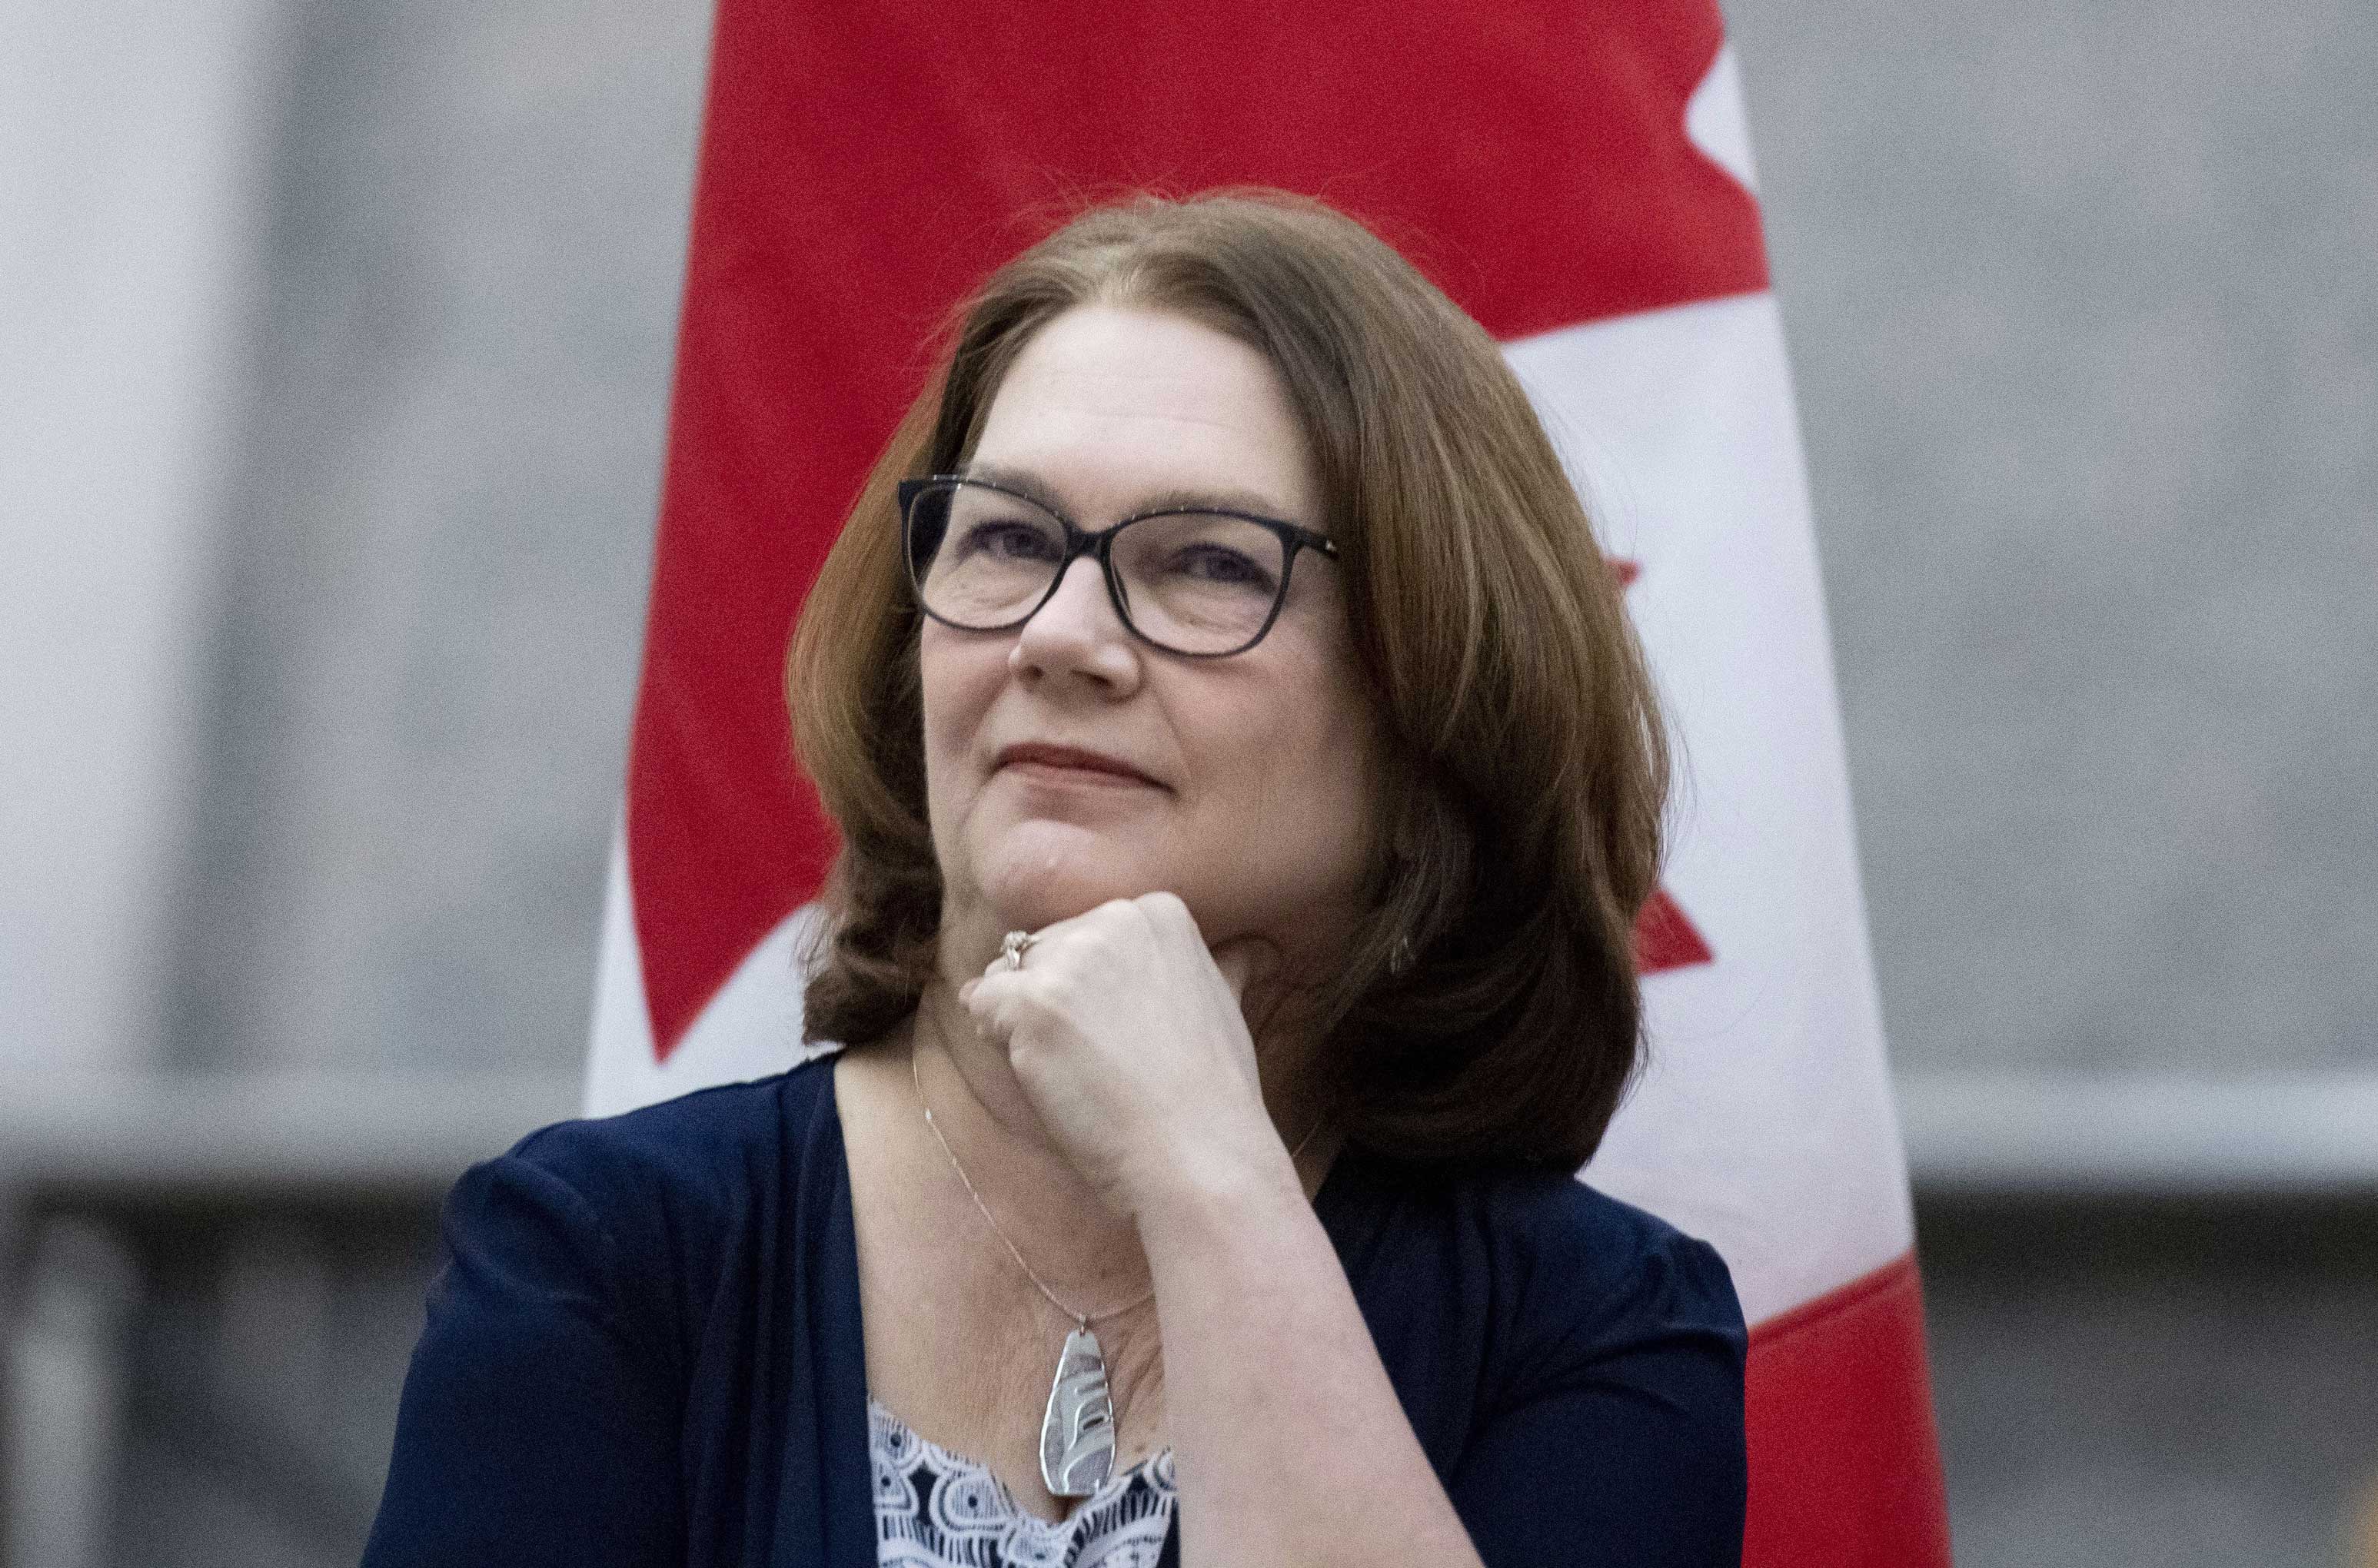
x=1169, y=913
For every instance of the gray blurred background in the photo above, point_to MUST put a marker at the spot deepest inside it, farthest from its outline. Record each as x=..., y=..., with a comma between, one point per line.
x=334, y=357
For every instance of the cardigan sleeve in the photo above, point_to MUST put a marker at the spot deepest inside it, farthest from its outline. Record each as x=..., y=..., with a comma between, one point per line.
x=1621, y=1440
x=540, y=1417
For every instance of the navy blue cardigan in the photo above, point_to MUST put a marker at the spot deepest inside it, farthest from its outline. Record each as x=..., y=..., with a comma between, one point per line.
x=644, y=1349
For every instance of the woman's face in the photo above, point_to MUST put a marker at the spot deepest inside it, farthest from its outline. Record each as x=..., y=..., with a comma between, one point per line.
x=1067, y=762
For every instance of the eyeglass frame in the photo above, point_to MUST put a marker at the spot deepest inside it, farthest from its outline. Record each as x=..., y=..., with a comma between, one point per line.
x=1099, y=545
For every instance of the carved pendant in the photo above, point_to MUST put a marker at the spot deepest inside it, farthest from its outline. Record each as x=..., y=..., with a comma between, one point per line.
x=1078, y=1440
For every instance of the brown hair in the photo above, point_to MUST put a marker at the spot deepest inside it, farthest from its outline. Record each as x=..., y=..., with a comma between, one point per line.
x=1490, y=1009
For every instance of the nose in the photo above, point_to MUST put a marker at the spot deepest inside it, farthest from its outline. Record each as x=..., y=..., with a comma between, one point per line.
x=1076, y=634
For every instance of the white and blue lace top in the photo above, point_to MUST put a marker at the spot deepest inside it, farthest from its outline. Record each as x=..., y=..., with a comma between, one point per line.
x=936, y=1509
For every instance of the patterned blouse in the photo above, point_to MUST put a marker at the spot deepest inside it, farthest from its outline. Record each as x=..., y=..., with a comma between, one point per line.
x=936, y=1509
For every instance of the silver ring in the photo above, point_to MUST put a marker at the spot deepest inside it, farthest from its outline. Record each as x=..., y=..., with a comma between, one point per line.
x=1012, y=948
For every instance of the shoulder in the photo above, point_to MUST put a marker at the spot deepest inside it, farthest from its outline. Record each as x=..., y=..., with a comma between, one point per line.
x=597, y=1314
x=1546, y=1243
x=1595, y=1390
x=1530, y=1280
x=701, y=1149
x=1589, y=1275
x=1605, y=1325
x=639, y=1206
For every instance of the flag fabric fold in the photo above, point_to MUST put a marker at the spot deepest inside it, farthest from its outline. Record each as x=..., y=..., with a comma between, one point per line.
x=1577, y=178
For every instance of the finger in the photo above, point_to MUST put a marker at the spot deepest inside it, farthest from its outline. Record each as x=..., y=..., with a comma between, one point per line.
x=988, y=994
x=1001, y=996
x=1168, y=912
x=1244, y=961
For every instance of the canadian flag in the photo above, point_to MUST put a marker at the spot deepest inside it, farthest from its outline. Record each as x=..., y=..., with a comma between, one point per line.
x=1579, y=177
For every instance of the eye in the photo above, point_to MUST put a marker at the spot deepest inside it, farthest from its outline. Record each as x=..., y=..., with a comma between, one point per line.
x=1207, y=561
x=1008, y=539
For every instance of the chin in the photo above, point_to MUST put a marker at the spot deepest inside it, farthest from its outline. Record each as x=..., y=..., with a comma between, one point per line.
x=1045, y=876
x=1028, y=903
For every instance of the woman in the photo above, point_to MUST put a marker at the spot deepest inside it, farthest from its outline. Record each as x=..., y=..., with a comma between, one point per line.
x=1248, y=783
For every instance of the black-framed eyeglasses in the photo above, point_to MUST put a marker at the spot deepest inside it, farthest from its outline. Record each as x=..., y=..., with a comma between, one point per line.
x=1200, y=581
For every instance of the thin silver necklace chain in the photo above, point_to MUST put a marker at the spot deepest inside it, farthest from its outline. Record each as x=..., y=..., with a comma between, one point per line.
x=1085, y=1319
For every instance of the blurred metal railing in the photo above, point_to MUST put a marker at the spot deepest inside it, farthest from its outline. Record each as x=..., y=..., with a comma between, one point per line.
x=88, y=1162
x=404, y=1135
x=278, y=1134
x=2143, y=1136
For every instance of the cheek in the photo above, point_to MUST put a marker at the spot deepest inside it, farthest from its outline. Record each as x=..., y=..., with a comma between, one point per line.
x=1316, y=761
x=958, y=679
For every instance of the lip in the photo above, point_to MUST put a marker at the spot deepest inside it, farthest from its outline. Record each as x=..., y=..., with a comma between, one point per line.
x=1039, y=755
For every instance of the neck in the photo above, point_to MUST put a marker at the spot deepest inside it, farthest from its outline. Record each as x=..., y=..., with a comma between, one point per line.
x=983, y=1112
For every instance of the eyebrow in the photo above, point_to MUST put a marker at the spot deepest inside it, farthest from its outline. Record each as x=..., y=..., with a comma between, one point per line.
x=1186, y=500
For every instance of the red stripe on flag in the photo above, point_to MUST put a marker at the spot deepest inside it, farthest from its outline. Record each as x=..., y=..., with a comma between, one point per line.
x=1844, y=1468
x=863, y=166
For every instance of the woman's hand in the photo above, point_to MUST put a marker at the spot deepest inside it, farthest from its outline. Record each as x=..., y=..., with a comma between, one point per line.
x=1130, y=1040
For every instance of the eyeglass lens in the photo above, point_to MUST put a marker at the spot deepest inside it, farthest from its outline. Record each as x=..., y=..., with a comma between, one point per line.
x=1195, y=583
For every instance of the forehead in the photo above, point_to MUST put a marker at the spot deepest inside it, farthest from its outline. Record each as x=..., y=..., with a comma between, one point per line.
x=1107, y=406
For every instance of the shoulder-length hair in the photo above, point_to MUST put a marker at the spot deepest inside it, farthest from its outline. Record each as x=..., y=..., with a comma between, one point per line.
x=1489, y=1010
